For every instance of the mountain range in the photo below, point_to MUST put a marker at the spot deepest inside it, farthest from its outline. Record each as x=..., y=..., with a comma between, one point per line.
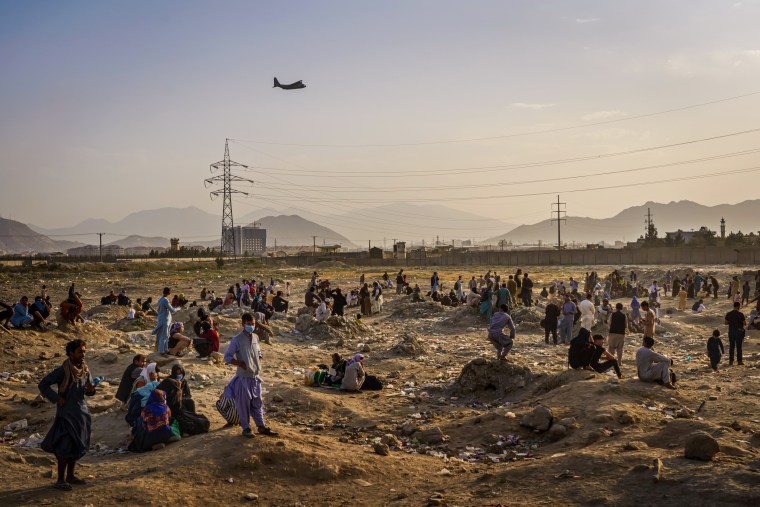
x=629, y=224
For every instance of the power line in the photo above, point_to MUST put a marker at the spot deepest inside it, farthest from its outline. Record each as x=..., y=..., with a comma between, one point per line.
x=507, y=136
x=480, y=169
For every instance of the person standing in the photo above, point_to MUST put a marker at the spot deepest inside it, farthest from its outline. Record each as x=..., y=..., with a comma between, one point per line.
x=588, y=312
x=244, y=352
x=69, y=438
x=550, y=321
x=164, y=322
x=568, y=316
x=527, y=290
x=458, y=289
x=648, y=319
x=682, y=298
x=616, y=336
x=434, y=282
x=512, y=286
x=715, y=350
x=715, y=287
x=736, y=323
x=501, y=341
x=399, y=282
x=503, y=296
x=745, y=292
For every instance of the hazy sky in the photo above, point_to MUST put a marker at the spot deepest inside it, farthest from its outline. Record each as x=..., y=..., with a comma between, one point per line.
x=112, y=107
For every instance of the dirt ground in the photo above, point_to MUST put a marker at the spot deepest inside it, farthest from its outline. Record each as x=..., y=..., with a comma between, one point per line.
x=452, y=443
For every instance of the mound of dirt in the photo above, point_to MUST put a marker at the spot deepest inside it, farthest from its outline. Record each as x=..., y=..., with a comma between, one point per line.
x=425, y=309
x=337, y=329
x=463, y=317
x=501, y=377
x=408, y=346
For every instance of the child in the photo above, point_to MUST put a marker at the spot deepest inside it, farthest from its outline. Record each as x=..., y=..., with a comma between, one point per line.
x=715, y=349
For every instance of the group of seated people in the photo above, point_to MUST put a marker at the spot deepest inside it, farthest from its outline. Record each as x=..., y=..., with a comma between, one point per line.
x=120, y=299
x=158, y=411
x=347, y=375
x=36, y=313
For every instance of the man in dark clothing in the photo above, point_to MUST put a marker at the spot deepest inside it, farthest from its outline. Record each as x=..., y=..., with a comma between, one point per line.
x=527, y=290
x=399, y=281
x=715, y=349
x=600, y=352
x=311, y=299
x=714, y=284
x=279, y=303
x=550, y=321
x=129, y=376
x=616, y=337
x=339, y=302
x=736, y=323
x=6, y=312
x=581, y=350
x=69, y=438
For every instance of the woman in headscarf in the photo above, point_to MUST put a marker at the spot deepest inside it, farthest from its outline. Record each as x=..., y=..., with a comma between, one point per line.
x=365, y=300
x=635, y=310
x=148, y=374
x=178, y=341
x=355, y=374
x=682, y=298
x=69, y=437
x=144, y=385
x=180, y=401
x=154, y=430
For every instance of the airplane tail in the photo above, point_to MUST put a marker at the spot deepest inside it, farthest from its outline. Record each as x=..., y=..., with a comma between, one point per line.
x=276, y=83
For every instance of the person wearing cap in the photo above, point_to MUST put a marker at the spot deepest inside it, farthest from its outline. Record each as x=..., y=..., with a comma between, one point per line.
x=355, y=375
x=244, y=352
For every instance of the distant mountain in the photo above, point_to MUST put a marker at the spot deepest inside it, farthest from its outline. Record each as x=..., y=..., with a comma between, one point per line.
x=16, y=237
x=414, y=222
x=628, y=225
x=295, y=230
x=184, y=223
x=134, y=240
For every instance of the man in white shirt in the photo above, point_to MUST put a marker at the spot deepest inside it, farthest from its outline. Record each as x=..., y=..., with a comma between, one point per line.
x=588, y=312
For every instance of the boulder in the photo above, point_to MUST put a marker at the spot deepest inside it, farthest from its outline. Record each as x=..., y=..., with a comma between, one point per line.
x=408, y=346
x=109, y=357
x=216, y=358
x=430, y=436
x=390, y=440
x=635, y=445
x=556, y=432
x=162, y=361
x=701, y=445
x=501, y=377
x=539, y=419
x=304, y=322
x=382, y=449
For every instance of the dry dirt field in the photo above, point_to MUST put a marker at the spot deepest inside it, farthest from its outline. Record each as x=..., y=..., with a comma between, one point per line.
x=453, y=442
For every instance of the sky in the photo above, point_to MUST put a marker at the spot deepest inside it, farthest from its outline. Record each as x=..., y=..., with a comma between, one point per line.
x=112, y=107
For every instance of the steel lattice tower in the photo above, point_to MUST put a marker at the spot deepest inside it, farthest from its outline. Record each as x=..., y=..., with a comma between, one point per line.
x=226, y=178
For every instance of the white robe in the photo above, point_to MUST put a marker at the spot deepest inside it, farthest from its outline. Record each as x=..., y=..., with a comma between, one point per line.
x=652, y=366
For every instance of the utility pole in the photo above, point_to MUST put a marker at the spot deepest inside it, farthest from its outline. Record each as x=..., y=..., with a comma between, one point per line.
x=560, y=209
x=100, y=239
x=228, y=241
x=314, y=240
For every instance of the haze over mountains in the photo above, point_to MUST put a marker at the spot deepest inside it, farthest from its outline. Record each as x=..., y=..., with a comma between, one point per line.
x=628, y=225
x=410, y=222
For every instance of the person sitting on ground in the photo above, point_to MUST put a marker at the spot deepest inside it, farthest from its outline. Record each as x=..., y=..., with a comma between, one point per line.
x=21, y=315
x=581, y=350
x=355, y=375
x=207, y=340
x=6, y=312
x=473, y=298
x=323, y=311
x=435, y=296
x=178, y=341
x=40, y=311
x=502, y=342
x=753, y=321
x=179, y=301
x=72, y=307
x=229, y=298
x=110, y=299
x=417, y=294
x=715, y=349
x=128, y=378
x=153, y=430
x=150, y=373
x=147, y=307
x=698, y=306
x=204, y=294
x=122, y=299
x=653, y=367
x=337, y=370
x=181, y=403
x=600, y=352
x=279, y=303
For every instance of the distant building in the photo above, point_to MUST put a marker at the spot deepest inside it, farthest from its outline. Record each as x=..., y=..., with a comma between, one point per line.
x=138, y=251
x=250, y=240
x=399, y=250
x=327, y=249
x=84, y=251
x=703, y=236
x=174, y=244
x=112, y=251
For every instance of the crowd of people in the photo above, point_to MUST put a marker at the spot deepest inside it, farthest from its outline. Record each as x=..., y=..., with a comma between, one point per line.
x=160, y=410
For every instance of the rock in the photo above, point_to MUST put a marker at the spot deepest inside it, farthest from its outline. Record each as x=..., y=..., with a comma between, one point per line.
x=16, y=458
x=216, y=358
x=100, y=406
x=635, y=445
x=701, y=445
x=110, y=357
x=17, y=425
x=409, y=427
x=626, y=418
x=390, y=440
x=382, y=449
x=568, y=422
x=305, y=310
x=556, y=432
x=430, y=436
x=482, y=375
x=602, y=417
x=251, y=497
x=540, y=419
x=593, y=436
x=736, y=425
x=115, y=340
x=363, y=347
x=685, y=413
x=292, y=319
x=108, y=396
x=277, y=398
x=713, y=398
x=304, y=322
x=409, y=346
x=733, y=450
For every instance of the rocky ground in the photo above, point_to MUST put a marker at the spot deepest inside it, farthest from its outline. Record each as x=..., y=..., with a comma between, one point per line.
x=451, y=427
